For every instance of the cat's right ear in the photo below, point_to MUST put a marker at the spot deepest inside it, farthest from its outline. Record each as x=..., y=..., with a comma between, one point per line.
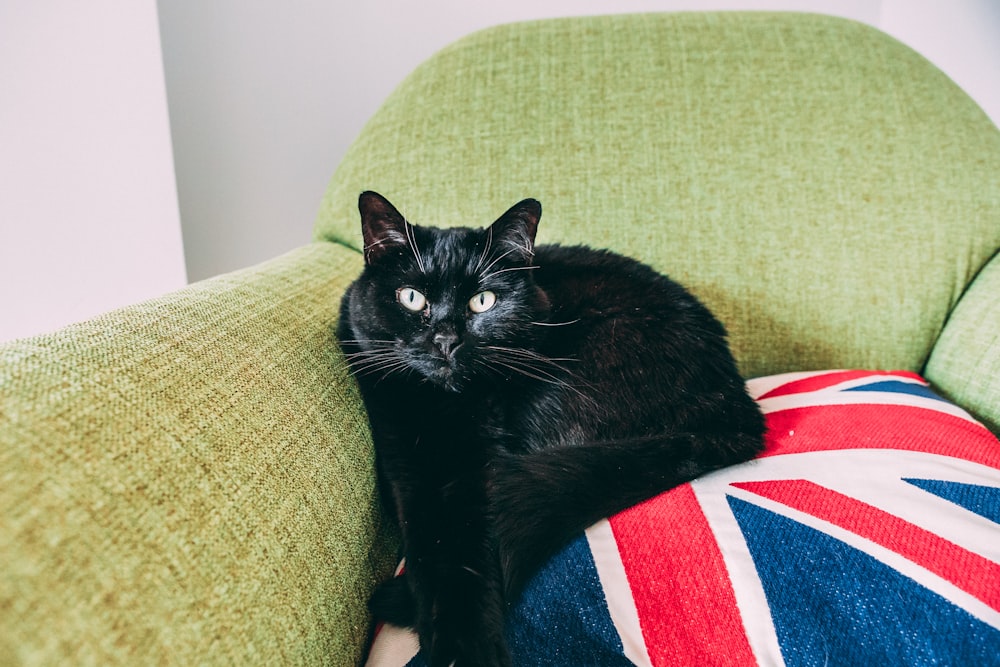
x=382, y=226
x=517, y=227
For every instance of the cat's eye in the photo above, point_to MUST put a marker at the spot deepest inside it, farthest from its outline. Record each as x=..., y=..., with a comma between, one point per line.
x=482, y=301
x=411, y=299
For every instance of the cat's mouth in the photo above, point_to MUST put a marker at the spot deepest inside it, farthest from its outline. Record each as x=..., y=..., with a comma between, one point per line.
x=442, y=373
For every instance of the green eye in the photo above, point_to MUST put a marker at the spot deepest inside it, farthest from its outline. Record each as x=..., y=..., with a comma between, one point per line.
x=482, y=302
x=411, y=299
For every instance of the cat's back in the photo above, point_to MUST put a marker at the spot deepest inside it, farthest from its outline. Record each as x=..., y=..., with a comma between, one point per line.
x=645, y=352
x=583, y=283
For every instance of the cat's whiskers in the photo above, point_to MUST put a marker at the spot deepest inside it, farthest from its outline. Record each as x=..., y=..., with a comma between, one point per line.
x=486, y=249
x=541, y=375
x=497, y=259
x=368, y=341
x=536, y=366
x=512, y=268
x=384, y=361
x=531, y=372
x=370, y=355
x=411, y=237
x=494, y=356
x=374, y=366
x=386, y=372
x=554, y=324
x=525, y=246
x=531, y=354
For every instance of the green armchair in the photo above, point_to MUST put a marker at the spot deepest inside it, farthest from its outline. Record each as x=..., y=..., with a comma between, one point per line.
x=190, y=480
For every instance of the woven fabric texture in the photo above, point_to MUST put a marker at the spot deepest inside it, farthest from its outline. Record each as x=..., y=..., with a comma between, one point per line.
x=965, y=363
x=826, y=190
x=189, y=481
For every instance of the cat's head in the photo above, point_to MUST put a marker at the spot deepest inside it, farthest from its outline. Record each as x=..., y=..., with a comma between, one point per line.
x=446, y=306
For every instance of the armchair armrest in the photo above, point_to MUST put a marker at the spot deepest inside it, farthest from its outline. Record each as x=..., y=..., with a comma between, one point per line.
x=965, y=361
x=190, y=480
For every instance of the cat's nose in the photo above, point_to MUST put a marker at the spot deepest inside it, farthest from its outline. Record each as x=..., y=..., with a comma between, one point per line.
x=447, y=343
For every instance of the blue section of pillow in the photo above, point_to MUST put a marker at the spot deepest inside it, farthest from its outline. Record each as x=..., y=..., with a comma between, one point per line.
x=896, y=387
x=551, y=627
x=983, y=500
x=835, y=605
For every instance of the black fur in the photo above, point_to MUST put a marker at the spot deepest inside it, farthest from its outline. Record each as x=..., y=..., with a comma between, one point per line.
x=593, y=383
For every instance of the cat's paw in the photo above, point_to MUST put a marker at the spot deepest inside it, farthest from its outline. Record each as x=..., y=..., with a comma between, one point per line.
x=393, y=603
x=469, y=638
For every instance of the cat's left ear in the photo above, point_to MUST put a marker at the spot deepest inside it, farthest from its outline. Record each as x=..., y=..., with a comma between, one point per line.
x=382, y=226
x=517, y=227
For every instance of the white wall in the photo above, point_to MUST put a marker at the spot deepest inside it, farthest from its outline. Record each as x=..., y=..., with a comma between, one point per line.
x=265, y=95
x=88, y=208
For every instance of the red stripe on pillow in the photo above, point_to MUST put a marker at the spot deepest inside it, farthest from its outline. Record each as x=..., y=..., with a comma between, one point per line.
x=687, y=608
x=873, y=426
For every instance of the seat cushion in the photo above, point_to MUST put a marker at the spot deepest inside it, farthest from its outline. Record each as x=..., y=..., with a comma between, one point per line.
x=867, y=533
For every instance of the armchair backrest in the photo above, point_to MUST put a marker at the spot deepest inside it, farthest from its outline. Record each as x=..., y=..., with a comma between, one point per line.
x=825, y=189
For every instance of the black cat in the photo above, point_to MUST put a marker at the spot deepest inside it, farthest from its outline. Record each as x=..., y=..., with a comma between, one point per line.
x=516, y=395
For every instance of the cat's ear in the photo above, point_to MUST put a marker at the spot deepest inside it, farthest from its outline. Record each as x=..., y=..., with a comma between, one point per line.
x=517, y=227
x=382, y=226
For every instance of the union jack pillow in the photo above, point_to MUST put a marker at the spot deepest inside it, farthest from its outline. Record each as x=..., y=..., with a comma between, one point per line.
x=868, y=533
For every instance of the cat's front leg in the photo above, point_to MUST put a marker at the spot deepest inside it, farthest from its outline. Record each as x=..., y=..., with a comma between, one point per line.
x=454, y=579
x=461, y=624
x=467, y=627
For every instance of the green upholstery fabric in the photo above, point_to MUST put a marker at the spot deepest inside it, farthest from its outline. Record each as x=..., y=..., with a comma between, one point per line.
x=965, y=363
x=190, y=481
x=179, y=481
x=826, y=190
